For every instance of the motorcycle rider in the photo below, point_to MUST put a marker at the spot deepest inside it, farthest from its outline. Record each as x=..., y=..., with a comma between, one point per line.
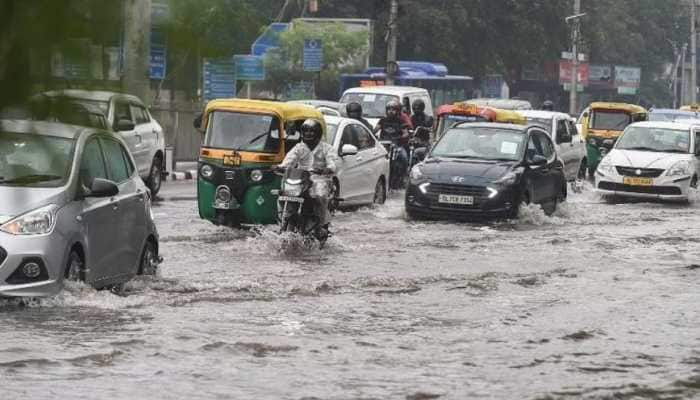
x=395, y=126
x=314, y=155
x=423, y=125
x=354, y=111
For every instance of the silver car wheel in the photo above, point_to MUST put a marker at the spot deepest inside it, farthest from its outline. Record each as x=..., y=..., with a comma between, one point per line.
x=75, y=270
x=149, y=264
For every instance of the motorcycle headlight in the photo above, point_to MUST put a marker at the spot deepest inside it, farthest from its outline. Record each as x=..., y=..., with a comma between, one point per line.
x=207, y=171
x=36, y=222
x=416, y=173
x=292, y=189
x=508, y=179
x=680, y=168
x=606, y=166
x=256, y=175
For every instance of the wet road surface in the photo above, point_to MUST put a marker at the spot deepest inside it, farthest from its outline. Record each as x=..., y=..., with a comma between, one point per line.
x=599, y=301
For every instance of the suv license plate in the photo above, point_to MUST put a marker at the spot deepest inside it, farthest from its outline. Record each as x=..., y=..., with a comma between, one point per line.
x=292, y=199
x=454, y=199
x=636, y=181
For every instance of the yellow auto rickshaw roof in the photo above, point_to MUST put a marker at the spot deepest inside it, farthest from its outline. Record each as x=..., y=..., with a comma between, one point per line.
x=630, y=108
x=286, y=111
x=691, y=107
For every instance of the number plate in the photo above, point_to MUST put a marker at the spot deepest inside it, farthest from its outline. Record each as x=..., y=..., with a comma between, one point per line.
x=292, y=199
x=454, y=199
x=636, y=181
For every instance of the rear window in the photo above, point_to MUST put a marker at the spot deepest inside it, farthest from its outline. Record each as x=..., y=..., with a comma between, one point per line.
x=610, y=120
x=373, y=104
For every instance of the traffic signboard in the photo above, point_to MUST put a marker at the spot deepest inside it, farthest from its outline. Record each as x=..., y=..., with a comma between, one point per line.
x=249, y=67
x=313, y=55
x=219, y=79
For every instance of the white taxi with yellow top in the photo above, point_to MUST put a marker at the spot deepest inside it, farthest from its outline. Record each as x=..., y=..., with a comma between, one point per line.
x=652, y=160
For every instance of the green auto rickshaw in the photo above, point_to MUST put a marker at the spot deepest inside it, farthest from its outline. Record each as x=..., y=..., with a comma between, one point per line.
x=242, y=140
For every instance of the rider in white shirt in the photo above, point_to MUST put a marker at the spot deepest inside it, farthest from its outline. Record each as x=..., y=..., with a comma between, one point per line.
x=313, y=154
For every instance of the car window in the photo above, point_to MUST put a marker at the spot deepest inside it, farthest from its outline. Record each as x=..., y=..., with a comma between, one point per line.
x=428, y=104
x=561, y=128
x=697, y=141
x=92, y=164
x=572, y=128
x=364, y=138
x=545, y=144
x=534, y=147
x=349, y=137
x=116, y=165
x=127, y=160
x=122, y=110
x=140, y=115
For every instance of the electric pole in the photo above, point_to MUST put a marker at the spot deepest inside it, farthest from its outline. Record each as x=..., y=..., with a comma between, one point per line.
x=573, y=107
x=693, y=55
x=391, y=43
x=137, y=48
x=684, y=80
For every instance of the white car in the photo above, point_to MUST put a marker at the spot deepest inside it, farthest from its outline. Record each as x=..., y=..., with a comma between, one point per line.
x=567, y=140
x=129, y=117
x=652, y=160
x=363, y=169
x=374, y=98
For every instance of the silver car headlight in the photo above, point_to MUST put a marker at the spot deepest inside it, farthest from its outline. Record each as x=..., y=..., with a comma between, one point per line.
x=36, y=222
x=606, y=166
x=292, y=189
x=508, y=179
x=681, y=168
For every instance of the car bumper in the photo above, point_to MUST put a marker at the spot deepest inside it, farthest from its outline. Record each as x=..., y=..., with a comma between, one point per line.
x=663, y=187
x=426, y=205
x=48, y=251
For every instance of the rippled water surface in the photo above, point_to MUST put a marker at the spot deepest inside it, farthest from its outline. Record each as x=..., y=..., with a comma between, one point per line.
x=600, y=300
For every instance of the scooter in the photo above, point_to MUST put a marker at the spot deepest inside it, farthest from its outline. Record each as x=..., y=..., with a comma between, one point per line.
x=296, y=207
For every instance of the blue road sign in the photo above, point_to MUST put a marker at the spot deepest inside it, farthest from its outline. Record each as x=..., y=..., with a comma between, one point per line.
x=313, y=55
x=219, y=79
x=249, y=68
x=158, y=54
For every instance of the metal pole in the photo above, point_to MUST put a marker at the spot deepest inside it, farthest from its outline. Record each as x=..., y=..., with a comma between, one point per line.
x=573, y=107
x=393, y=34
x=693, y=52
x=684, y=81
x=247, y=89
x=675, y=75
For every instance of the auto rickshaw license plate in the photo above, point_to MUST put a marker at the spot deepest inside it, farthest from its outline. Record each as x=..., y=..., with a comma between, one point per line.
x=454, y=199
x=637, y=181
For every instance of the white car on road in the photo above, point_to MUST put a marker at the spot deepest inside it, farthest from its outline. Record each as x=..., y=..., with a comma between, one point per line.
x=652, y=160
x=374, y=98
x=363, y=167
x=567, y=140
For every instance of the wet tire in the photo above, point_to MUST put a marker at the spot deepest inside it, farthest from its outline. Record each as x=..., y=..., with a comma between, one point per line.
x=379, y=192
x=524, y=201
x=148, y=265
x=155, y=176
x=75, y=267
x=582, y=170
x=334, y=203
x=550, y=206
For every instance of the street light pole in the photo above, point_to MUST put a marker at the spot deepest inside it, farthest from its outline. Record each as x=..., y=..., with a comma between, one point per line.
x=393, y=33
x=693, y=55
x=573, y=107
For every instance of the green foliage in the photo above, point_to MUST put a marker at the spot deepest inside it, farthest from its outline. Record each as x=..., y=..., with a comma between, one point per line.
x=342, y=51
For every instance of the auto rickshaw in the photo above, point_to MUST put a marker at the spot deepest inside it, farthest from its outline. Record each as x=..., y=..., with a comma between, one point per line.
x=602, y=124
x=450, y=114
x=242, y=140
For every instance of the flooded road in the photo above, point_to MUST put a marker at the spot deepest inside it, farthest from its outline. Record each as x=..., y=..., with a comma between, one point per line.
x=599, y=301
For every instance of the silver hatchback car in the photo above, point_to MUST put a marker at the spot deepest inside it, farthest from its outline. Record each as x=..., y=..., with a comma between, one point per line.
x=72, y=206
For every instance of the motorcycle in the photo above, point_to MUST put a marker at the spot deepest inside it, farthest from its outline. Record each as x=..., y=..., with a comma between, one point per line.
x=417, y=146
x=391, y=139
x=295, y=206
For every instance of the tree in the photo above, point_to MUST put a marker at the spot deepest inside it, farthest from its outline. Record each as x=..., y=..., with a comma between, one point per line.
x=342, y=51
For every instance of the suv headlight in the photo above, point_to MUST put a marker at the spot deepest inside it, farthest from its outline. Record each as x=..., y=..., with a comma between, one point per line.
x=508, y=179
x=416, y=173
x=680, y=168
x=36, y=222
x=606, y=166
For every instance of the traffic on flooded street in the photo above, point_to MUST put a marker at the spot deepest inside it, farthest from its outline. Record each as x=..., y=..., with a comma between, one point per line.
x=349, y=200
x=595, y=301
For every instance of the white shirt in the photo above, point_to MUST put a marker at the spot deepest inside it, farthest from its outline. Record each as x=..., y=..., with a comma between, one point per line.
x=322, y=156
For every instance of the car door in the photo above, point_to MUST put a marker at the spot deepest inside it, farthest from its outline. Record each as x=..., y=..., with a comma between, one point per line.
x=538, y=176
x=553, y=172
x=130, y=207
x=565, y=148
x=369, y=159
x=98, y=216
x=696, y=148
x=147, y=136
x=349, y=171
x=122, y=111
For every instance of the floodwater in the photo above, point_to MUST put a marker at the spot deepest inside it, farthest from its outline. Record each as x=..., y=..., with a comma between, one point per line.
x=599, y=301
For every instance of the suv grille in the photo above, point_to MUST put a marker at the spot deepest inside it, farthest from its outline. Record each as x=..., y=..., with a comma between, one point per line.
x=643, y=172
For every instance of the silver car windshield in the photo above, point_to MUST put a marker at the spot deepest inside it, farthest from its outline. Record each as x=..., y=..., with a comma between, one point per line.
x=655, y=139
x=481, y=143
x=34, y=160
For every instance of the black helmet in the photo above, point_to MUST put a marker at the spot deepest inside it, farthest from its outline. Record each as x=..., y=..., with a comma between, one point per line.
x=311, y=132
x=418, y=106
x=393, y=107
x=548, y=105
x=354, y=110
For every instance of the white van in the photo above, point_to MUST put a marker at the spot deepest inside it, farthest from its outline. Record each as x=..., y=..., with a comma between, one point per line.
x=374, y=98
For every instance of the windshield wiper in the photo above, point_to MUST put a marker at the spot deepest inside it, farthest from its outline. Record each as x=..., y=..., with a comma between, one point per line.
x=32, y=179
x=255, y=139
x=673, y=151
